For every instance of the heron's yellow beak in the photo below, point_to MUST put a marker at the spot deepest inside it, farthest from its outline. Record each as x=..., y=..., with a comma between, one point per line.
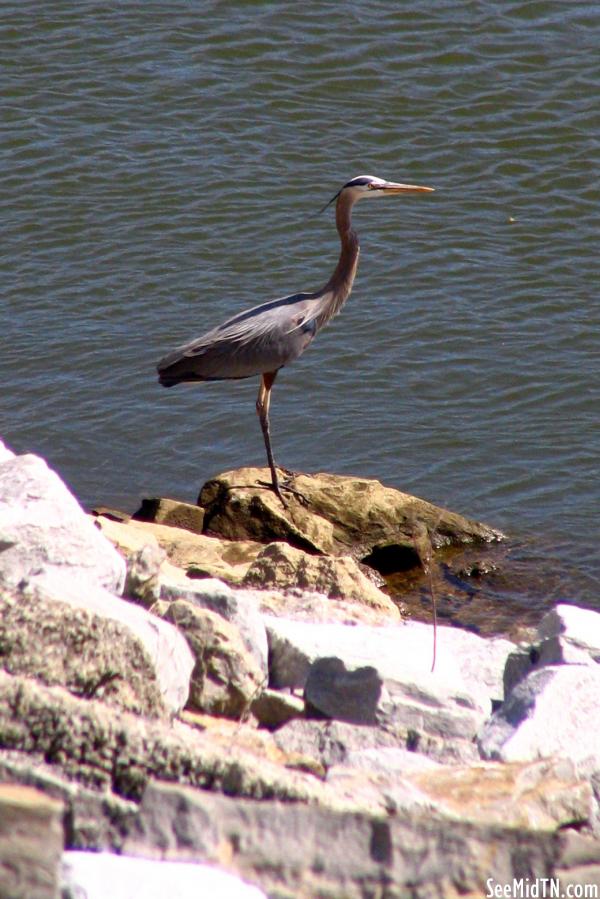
x=391, y=187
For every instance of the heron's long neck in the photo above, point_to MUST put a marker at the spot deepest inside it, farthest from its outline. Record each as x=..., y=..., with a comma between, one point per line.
x=337, y=290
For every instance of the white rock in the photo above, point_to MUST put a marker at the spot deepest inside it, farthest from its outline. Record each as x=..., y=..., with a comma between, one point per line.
x=552, y=712
x=166, y=646
x=381, y=676
x=43, y=528
x=567, y=635
x=240, y=607
x=98, y=875
x=5, y=453
x=465, y=662
x=577, y=628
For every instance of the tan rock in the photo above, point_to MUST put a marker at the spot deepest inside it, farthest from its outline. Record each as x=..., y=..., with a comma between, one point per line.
x=337, y=515
x=226, y=677
x=172, y=512
x=273, y=708
x=31, y=843
x=539, y=795
x=281, y=566
x=205, y=556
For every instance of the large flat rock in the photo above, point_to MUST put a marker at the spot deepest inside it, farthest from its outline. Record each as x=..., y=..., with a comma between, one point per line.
x=463, y=659
x=448, y=831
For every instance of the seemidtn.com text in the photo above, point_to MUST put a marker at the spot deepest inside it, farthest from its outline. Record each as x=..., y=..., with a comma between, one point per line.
x=540, y=888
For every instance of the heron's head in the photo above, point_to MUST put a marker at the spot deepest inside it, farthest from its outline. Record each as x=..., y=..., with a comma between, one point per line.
x=370, y=186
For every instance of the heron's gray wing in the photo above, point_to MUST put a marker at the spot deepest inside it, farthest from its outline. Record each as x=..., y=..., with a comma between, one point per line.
x=261, y=339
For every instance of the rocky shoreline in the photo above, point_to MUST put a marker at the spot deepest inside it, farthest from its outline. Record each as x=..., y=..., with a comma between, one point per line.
x=229, y=685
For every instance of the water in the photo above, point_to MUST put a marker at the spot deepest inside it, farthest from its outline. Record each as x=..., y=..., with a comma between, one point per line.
x=162, y=167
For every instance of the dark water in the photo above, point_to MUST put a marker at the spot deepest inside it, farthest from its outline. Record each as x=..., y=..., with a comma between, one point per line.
x=162, y=166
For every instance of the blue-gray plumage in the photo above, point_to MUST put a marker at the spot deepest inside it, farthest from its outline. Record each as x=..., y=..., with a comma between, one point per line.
x=262, y=340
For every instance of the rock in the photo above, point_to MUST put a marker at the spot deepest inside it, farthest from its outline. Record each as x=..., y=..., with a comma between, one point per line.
x=143, y=558
x=553, y=711
x=578, y=866
x=351, y=695
x=381, y=676
x=226, y=678
x=108, y=749
x=329, y=743
x=306, y=605
x=92, y=818
x=276, y=707
x=240, y=607
x=439, y=723
x=89, y=654
x=566, y=635
x=88, y=874
x=470, y=662
x=43, y=529
x=537, y=795
x=31, y=843
x=5, y=453
x=576, y=628
x=166, y=648
x=340, y=516
x=388, y=762
x=172, y=512
x=200, y=555
x=280, y=566
x=438, y=844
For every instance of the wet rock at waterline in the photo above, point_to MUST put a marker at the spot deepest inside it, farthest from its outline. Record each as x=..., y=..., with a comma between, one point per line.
x=333, y=515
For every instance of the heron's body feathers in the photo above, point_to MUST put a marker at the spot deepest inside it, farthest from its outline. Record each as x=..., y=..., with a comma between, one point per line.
x=260, y=339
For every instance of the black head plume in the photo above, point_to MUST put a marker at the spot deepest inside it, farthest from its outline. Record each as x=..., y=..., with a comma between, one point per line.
x=329, y=202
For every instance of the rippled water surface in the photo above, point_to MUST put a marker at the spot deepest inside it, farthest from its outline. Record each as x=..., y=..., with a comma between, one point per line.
x=162, y=168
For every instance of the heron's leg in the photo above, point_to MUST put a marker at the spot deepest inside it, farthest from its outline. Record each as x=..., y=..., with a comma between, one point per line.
x=262, y=407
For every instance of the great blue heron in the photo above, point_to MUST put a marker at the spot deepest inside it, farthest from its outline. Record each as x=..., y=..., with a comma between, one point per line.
x=262, y=340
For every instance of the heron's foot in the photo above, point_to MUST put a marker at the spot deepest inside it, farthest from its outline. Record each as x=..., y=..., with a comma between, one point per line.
x=277, y=486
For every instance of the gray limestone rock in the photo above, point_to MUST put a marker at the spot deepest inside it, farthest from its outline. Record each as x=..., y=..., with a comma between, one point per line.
x=464, y=661
x=330, y=743
x=452, y=830
x=380, y=675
